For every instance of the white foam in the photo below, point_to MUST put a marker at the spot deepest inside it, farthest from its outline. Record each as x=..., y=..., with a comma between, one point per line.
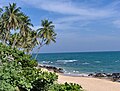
x=46, y=62
x=85, y=63
x=66, y=61
x=76, y=75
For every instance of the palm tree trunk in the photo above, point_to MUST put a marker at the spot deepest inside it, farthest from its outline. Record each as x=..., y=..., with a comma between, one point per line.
x=14, y=42
x=37, y=52
x=41, y=44
x=4, y=41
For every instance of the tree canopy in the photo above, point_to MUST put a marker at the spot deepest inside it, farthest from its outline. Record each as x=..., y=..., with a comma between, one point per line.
x=26, y=38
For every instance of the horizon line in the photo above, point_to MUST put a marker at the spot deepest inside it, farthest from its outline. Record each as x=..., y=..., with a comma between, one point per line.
x=78, y=52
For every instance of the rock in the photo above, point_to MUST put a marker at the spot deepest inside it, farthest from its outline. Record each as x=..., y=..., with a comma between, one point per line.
x=55, y=69
x=91, y=75
x=100, y=75
x=108, y=75
x=115, y=76
x=111, y=76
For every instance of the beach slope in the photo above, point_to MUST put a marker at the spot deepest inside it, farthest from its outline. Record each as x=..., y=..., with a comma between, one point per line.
x=91, y=84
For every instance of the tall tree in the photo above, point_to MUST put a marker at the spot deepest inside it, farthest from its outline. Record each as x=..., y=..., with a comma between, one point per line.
x=30, y=41
x=25, y=29
x=11, y=19
x=2, y=28
x=46, y=34
x=25, y=25
x=0, y=10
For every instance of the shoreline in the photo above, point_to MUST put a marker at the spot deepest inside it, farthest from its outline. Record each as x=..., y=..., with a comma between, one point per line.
x=90, y=83
x=100, y=75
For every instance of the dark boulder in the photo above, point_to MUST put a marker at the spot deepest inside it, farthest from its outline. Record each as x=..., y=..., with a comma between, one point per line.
x=91, y=75
x=100, y=75
x=115, y=76
x=55, y=69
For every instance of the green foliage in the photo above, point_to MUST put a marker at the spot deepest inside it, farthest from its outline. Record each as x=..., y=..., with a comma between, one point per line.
x=44, y=82
x=46, y=34
x=11, y=77
x=18, y=72
x=12, y=18
x=13, y=54
x=65, y=87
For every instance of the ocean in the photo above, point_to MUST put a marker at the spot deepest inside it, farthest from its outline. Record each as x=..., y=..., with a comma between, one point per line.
x=82, y=62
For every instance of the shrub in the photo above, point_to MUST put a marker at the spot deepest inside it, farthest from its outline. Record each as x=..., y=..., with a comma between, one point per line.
x=66, y=87
x=18, y=73
x=11, y=78
x=13, y=54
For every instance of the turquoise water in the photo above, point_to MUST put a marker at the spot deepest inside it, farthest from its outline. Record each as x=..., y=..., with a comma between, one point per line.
x=83, y=62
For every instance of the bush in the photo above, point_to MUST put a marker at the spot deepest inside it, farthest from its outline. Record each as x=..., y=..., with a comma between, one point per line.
x=18, y=73
x=13, y=76
x=66, y=87
x=13, y=54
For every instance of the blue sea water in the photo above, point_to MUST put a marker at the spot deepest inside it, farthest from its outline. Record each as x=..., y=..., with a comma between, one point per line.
x=83, y=62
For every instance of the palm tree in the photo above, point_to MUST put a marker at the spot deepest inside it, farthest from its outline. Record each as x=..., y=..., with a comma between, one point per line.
x=46, y=34
x=2, y=28
x=12, y=16
x=11, y=19
x=29, y=42
x=25, y=25
x=24, y=30
x=1, y=10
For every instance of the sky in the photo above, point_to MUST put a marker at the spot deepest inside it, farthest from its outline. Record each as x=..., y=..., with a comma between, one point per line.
x=81, y=25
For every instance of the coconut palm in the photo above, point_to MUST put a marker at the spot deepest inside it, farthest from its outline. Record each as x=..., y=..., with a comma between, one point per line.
x=46, y=34
x=12, y=16
x=1, y=10
x=25, y=25
x=2, y=29
x=11, y=19
x=24, y=31
x=30, y=41
x=3, y=36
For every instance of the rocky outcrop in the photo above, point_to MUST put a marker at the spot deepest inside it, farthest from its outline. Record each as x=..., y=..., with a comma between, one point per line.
x=111, y=76
x=55, y=69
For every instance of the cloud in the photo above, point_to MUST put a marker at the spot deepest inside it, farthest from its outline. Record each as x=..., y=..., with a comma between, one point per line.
x=80, y=13
x=69, y=8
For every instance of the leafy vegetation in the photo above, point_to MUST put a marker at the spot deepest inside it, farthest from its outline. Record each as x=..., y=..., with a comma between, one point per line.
x=18, y=71
x=13, y=54
x=24, y=37
x=15, y=74
x=66, y=87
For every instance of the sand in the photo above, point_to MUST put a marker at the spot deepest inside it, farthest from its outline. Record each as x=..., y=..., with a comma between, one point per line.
x=91, y=84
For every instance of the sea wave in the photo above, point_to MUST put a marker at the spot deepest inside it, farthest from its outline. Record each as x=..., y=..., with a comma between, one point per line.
x=97, y=62
x=117, y=61
x=76, y=74
x=46, y=62
x=66, y=61
x=85, y=63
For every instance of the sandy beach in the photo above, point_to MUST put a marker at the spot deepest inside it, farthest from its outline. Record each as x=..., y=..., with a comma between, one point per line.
x=91, y=84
